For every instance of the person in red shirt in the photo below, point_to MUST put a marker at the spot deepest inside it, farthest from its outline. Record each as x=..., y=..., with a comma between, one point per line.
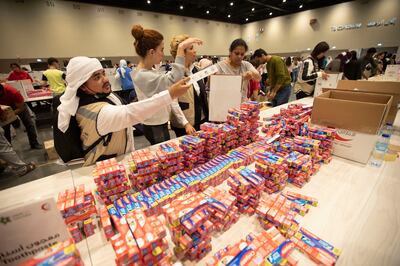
x=12, y=97
x=17, y=73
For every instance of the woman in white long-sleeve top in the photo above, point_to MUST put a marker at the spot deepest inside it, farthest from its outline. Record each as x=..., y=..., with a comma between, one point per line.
x=99, y=113
x=149, y=45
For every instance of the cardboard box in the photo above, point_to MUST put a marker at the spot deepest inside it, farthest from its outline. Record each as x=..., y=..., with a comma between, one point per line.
x=50, y=150
x=382, y=87
x=7, y=115
x=330, y=83
x=357, y=116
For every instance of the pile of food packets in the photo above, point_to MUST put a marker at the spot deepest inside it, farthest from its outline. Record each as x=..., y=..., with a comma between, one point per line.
x=111, y=180
x=222, y=209
x=269, y=247
x=326, y=136
x=231, y=139
x=140, y=240
x=246, y=186
x=79, y=211
x=280, y=210
x=61, y=253
x=170, y=156
x=300, y=168
x=189, y=224
x=143, y=169
x=274, y=170
x=320, y=251
x=193, y=148
x=214, y=136
x=105, y=222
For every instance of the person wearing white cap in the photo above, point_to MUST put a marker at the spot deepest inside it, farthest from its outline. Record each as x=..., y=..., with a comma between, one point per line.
x=99, y=112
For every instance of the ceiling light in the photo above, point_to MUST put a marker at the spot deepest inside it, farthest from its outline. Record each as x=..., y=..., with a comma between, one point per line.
x=308, y=49
x=301, y=6
x=270, y=13
x=247, y=19
x=207, y=12
x=333, y=47
x=379, y=44
x=181, y=7
x=148, y=2
x=229, y=16
x=231, y=3
x=39, y=60
x=283, y=1
x=253, y=9
x=103, y=58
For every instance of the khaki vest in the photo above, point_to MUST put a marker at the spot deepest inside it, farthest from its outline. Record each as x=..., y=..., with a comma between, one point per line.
x=187, y=98
x=86, y=117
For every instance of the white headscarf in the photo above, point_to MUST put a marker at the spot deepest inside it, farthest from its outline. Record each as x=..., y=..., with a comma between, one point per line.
x=79, y=70
x=122, y=65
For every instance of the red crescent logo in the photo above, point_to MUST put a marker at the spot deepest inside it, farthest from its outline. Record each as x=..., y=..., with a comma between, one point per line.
x=45, y=207
x=341, y=139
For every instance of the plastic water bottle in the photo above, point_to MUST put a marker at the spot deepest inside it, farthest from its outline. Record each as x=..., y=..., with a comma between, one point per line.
x=387, y=129
x=380, y=150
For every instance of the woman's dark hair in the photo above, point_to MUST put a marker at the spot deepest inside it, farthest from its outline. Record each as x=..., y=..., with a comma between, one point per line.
x=145, y=39
x=288, y=61
x=52, y=60
x=236, y=43
x=353, y=55
x=14, y=64
x=321, y=47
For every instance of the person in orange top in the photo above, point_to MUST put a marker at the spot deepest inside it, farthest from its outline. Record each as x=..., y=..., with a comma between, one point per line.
x=17, y=73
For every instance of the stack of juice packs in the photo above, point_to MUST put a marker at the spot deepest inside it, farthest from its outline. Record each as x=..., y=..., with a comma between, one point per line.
x=267, y=248
x=252, y=111
x=170, y=156
x=291, y=121
x=309, y=146
x=280, y=210
x=212, y=173
x=190, y=226
x=79, y=211
x=246, y=186
x=111, y=180
x=326, y=136
x=143, y=169
x=231, y=138
x=61, y=253
x=274, y=170
x=222, y=209
x=140, y=240
x=318, y=250
x=193, y=148
x=299, y=168
x=214, y=136
x=105, y=222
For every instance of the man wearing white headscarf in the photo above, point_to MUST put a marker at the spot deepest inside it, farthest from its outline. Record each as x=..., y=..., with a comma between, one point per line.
x=123, y=74
x=99, y=112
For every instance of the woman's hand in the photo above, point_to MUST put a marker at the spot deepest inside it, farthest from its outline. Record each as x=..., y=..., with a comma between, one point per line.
x=179, y=88
x=247, y=75
x=189, y=129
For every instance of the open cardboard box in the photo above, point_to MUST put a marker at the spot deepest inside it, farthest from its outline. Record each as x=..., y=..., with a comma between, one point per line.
x=357, y=116
x=382, y=87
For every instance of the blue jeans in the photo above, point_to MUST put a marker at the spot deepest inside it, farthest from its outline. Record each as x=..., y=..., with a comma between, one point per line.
x=282, y=96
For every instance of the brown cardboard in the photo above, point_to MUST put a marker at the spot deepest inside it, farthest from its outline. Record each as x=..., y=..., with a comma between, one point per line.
x=50, y=150
x=7, y=115
x=357, y=111
x=382, y=87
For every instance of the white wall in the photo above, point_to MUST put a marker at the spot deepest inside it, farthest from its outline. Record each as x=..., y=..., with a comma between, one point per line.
x=293, y=33
x=34, y=30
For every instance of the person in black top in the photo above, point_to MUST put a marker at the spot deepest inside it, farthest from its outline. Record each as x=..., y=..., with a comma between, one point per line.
x=368, y=64
x=352, y=70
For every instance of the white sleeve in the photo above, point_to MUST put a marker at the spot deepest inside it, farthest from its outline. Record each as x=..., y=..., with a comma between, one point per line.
x=177, y=112
x=113, y=118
